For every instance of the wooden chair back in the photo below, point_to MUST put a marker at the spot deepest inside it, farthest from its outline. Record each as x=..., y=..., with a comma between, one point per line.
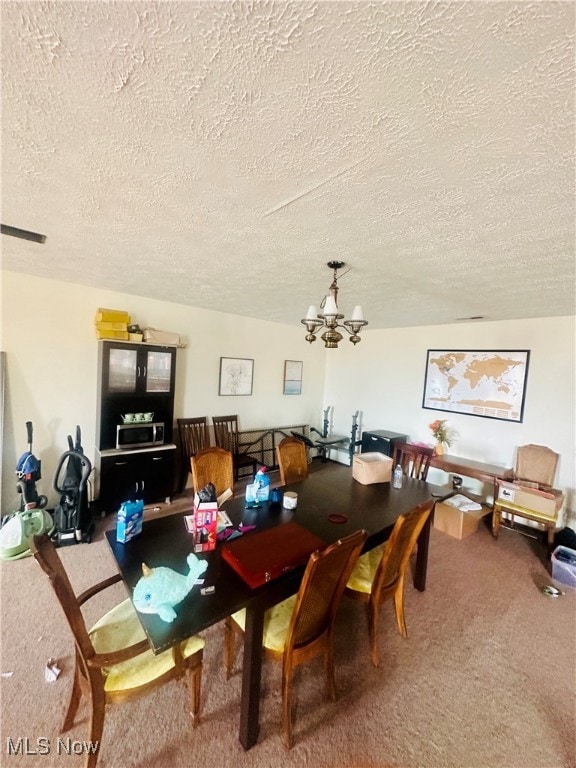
x=46, y=555
x=321, y=590
x=414, y=459
x=536, y=464
x=226, y=437
x=397, y=551
x=194, y=436
x=212, y=465
x=292, y=460
x=226, y=432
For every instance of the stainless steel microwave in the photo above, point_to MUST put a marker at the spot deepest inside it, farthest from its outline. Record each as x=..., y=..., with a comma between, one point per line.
x=139, y=435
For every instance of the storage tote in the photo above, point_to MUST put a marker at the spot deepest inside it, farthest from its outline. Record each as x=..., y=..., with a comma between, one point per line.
x=564, y=566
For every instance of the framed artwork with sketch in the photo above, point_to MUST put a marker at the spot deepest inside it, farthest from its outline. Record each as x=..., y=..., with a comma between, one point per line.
x=236, y=375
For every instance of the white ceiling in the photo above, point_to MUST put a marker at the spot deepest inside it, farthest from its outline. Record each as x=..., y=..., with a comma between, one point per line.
x=218, y=154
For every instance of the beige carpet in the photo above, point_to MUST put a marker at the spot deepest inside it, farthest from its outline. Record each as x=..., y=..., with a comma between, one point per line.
x=485, y=680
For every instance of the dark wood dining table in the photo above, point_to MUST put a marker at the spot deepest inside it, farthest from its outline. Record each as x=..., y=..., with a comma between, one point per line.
x=327, y=492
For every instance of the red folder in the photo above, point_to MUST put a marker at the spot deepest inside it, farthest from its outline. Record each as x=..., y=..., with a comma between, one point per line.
x=262, y=556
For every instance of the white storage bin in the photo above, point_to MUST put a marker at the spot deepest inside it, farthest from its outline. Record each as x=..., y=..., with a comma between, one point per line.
x=564, y=566
x=368, y=468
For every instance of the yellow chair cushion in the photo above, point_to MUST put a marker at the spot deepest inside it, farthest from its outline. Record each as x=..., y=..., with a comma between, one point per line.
x=362, y=576
x=276, y=623
x=120, y=628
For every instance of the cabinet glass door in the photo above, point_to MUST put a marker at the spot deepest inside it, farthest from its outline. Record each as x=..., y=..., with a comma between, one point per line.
x=158, y=371
x=123, y=370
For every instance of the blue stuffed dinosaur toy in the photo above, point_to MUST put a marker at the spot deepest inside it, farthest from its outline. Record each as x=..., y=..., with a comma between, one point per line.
x=160, y=589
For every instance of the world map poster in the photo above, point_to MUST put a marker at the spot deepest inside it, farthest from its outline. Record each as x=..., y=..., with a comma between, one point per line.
x=480, y=383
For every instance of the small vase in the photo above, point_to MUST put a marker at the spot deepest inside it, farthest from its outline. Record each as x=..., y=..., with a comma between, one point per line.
x=439, y=449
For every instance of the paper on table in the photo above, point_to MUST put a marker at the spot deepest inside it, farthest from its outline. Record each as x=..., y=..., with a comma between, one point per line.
x=463, y=503
x=223, y=520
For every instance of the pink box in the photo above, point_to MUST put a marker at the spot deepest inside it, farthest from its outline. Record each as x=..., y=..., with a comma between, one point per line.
x=203, y=525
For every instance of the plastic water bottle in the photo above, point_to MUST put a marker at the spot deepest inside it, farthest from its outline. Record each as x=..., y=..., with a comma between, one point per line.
x=262, y=485
x=397, y=482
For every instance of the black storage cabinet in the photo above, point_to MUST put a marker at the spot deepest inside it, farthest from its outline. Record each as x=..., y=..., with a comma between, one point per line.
x=381, y=441
x=133, y=378
x=145, y=474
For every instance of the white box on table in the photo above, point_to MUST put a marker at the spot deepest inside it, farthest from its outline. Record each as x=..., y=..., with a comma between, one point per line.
x=368, y=468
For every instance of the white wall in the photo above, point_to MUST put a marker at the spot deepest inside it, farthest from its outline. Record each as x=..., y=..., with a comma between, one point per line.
x=51, y=360
x=383, y=378
x=51, y=368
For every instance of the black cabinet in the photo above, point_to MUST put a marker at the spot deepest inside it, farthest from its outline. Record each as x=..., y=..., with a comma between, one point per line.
x=381, y=441
x=134, y=378
x=146, y=474
x=131, y=369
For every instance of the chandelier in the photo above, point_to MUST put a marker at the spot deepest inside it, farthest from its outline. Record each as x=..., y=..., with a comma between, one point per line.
x=329, y=316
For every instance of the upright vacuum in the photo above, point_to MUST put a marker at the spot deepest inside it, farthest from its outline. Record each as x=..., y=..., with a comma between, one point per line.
x=72, y=517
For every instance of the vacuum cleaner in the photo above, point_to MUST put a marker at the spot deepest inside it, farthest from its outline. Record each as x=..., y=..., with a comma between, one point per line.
x=72, y=517
x=31, y=519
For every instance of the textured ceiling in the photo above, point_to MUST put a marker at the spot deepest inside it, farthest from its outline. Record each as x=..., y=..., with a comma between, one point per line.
x=218, y=154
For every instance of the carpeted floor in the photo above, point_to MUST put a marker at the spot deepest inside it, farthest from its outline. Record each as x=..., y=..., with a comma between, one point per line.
x=485, y=679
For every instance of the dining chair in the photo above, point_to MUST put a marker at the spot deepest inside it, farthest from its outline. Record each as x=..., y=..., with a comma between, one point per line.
x=529, y=494
x=301, y=627
x=113, y=660
x=414, y=459
x=194, y=436
x=379, y=574
x=212, y=465
x=292, y=460
x=226, y=436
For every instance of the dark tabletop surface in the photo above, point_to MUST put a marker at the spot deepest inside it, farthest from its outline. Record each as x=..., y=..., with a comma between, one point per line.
x=165, y=542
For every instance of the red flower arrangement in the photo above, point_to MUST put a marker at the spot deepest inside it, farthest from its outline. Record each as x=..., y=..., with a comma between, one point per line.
x=440, y=431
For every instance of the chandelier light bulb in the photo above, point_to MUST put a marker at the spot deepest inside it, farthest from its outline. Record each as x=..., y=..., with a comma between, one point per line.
x=312, y=313
x=330, y=316
x=357, y=313
x=330, y=307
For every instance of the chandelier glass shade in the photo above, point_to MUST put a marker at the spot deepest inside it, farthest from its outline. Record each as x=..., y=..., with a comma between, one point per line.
x=329, y=317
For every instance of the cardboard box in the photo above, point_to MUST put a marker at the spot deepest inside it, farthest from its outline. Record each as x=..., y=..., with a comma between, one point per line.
x=203, y=525
x=104, y=325
x=564, y=566
x=112, y=316
x=129, y=520
x=455, y=522
x=545, y=504
x=154, y=336
x=118, y=335
x=368, y=468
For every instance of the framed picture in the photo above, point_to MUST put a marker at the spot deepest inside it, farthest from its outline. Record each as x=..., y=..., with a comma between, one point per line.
x=477, y=383
x=292, y=377
x=236, y=374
